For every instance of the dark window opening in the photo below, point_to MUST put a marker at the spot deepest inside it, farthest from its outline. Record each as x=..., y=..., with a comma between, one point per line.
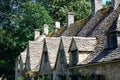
x=112, y=40
x=62, y=59
x=74, y=58
x=46, y=56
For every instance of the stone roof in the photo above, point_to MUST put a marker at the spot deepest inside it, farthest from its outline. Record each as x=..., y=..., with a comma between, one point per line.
x=94, y=21
x=66, y=42
x=110, y=55
x=85, y=43
x=23, y=55
x=35, y=52
x=41, y=37
x=74, y=28
x=52, y=47
x=100, y=33
x=106, y=56
x=58, y=32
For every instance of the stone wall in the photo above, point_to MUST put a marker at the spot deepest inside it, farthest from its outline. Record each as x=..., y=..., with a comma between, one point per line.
x=110, y=70
x=82, y=55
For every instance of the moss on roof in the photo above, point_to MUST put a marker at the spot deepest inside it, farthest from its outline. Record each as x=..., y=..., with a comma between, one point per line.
x=75, y=27
x=95, y=20
x=105, y=10
x=58, y=32
x=50, y=34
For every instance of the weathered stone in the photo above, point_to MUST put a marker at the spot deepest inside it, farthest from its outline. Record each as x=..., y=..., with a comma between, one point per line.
x=94, y=22
x=36, y=34
x=110, y=70
x=100, y=33
x=34, y=54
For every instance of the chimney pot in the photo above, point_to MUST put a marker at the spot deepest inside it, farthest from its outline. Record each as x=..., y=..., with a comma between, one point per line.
x=98, y=5
x=57, y=25
x=70, y=19
x=36, y=33
x=46, y=30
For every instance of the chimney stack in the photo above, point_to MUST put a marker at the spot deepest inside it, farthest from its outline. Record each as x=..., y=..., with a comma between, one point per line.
x=57, y=25
x=46, y=29
x=36, y=34
x=98, y=5
x=70, y=19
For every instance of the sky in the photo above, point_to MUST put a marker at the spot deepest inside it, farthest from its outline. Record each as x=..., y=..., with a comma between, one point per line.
x=104, y=1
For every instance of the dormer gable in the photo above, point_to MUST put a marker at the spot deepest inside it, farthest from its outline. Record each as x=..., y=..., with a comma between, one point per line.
x=44, y=63
x=80, y=48
x=61, y=58
x=73, y=46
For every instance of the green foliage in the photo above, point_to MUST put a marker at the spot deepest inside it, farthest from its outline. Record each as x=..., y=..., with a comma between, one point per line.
x=43, y=78
x=59, y=8
x=34, y=16
x=17, y=28
x=19, y=18
x=20, y=78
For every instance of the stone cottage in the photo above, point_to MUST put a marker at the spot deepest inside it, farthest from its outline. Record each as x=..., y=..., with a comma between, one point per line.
x=88, y=49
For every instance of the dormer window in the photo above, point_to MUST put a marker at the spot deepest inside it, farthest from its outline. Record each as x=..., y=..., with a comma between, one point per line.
x=112, y=40
x=73, y=58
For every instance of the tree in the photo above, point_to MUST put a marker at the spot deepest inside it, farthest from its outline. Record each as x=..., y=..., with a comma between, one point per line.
x=34, y=15
x=59, y=8
x=19, y=19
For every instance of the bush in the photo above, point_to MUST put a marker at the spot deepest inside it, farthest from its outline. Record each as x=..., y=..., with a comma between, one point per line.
x=20, y=78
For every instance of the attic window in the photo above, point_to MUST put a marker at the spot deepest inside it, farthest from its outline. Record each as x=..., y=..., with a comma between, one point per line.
x=73, y=58
x=62, y=56
x=112, y=40
x=46, y=56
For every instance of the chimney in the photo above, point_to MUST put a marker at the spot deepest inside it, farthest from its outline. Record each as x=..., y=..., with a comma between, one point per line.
x=46, y=29
x=98, y=5
x=57, y=25
x=36, y=34
x=70, y=19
